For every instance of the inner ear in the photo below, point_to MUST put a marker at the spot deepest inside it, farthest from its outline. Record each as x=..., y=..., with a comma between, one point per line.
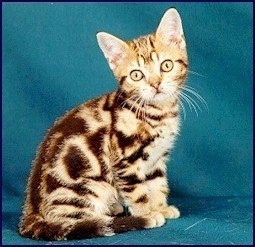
x=114, y=49
x=170, y=28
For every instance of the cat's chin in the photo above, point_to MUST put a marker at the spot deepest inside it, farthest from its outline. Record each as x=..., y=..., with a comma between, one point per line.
x=161, y=98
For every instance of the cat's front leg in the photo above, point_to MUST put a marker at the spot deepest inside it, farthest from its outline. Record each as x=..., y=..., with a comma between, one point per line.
x=135, y=195
x=159, y=202
x=159, y=190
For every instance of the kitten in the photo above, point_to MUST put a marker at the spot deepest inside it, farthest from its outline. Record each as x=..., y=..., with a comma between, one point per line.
x=111, y=152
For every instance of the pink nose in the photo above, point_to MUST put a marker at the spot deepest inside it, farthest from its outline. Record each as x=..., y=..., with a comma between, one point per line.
x=155, y=84
x=154, y=81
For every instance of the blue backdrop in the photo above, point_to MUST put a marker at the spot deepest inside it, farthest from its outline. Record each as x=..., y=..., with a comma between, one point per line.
x=51, y=63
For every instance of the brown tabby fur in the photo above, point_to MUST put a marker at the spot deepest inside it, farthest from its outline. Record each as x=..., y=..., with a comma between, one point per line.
x=108, y=153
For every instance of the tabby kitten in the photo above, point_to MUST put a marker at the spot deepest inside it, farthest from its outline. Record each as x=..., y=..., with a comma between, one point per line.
x=111, y=152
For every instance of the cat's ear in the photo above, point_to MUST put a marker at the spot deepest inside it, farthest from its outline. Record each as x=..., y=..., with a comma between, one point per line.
x=170, y=28
x=114, y=49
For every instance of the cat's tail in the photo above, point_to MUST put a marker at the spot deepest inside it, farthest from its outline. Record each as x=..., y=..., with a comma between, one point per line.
x=36, y=227
x=100, y=227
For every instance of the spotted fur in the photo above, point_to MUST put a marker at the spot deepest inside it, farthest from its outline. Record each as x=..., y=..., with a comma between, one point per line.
x=111, y=152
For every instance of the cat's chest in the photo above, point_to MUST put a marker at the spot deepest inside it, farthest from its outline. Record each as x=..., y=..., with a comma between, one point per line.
x=161, y=144
x=158, y=148
x=143, y=143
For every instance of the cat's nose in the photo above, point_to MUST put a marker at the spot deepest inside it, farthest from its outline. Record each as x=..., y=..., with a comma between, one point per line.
x=154, y=82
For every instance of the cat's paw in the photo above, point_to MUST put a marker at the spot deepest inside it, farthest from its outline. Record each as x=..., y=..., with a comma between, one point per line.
x=155, y=219
x=171, y=212
x=116, y=208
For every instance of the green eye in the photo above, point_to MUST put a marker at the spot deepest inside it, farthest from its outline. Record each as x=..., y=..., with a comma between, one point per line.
x=136, y=75
x=166, y=66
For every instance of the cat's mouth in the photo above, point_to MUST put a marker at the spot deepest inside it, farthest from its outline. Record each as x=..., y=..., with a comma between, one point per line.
x=158, y=93
x=159, y=96
x=162, y=96
x=155, y=95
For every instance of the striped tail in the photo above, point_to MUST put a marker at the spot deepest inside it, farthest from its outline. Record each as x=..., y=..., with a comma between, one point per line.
x=36, y=227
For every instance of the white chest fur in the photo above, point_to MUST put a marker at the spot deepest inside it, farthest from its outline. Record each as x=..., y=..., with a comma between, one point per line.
x=162, y=144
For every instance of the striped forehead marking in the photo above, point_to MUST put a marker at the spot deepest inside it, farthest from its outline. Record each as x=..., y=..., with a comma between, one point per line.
x=141, y=60
x=154, y=56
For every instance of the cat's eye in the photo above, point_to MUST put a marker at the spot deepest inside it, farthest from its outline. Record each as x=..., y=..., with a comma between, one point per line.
x=136, y=75
x=166, y=66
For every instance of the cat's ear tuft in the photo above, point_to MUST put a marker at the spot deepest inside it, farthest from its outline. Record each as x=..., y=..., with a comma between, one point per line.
x=170, y=28
x=114, y=49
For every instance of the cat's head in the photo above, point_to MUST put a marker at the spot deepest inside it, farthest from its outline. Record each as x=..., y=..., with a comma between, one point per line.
x=153, y=67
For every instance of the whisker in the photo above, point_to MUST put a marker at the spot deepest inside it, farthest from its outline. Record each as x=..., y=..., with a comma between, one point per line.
x=192, y=91
x=134, y=103
x=184, y=98
x=137, y=112
x=192, y=100
x=195, y=73
x=181, y=104
x=188, y=100
x=183, y=108
x=120, y=92
x=126, y=100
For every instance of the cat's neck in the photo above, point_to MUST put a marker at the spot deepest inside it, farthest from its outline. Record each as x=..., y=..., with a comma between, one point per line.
x=124, y=100
x=143, y=109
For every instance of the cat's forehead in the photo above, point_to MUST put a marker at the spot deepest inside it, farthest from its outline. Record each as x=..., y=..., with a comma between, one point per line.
x=144, y=48
x=148, y=50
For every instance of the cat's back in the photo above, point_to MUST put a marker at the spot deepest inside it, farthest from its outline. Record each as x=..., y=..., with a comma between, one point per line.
x=74, y=140
x=83, y=121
